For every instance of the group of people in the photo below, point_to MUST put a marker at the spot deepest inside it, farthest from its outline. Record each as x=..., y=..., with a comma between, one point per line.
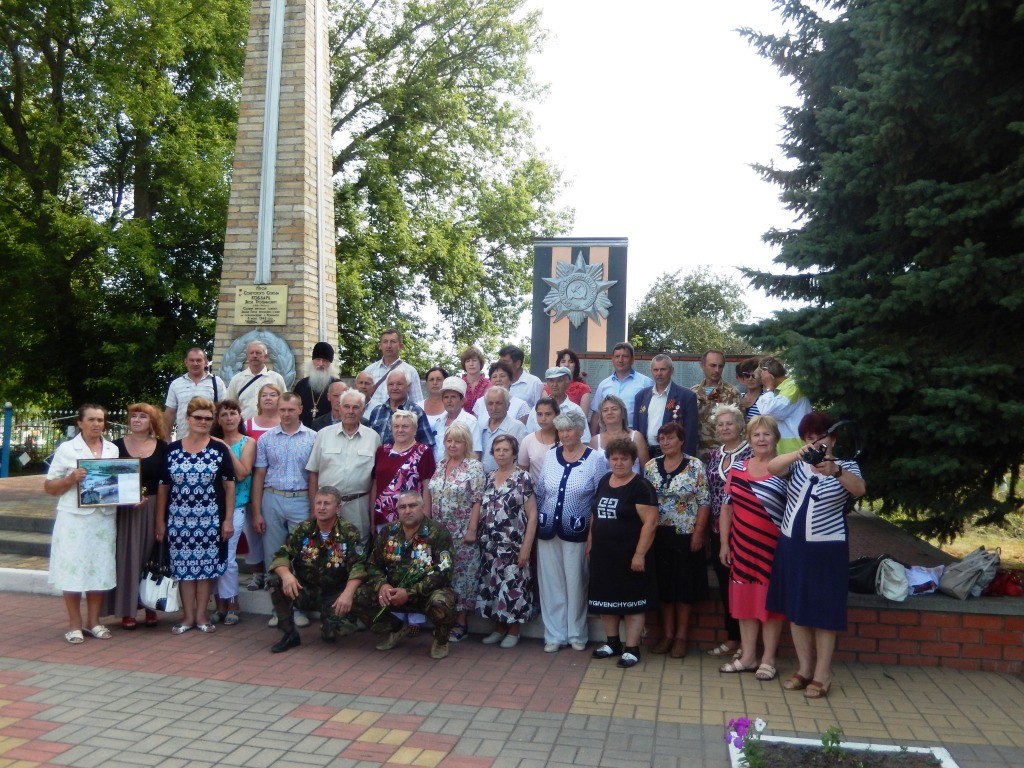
x=494, y=492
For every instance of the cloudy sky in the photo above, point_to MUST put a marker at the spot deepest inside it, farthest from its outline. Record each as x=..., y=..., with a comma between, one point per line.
x=655, y=112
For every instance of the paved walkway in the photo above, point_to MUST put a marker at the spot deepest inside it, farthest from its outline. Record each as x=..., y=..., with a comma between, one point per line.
x=153, y=699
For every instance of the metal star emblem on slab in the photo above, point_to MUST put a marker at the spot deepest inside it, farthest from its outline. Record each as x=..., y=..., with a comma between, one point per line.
x=578, y=292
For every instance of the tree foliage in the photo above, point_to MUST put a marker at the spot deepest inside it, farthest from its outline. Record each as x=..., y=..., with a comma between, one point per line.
x=691, y=313
x=117, y=124
x=116, y=130
x=908, y=181
x=441, y=191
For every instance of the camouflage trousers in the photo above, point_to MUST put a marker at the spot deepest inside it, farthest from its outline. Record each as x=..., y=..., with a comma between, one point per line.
x=438, y=606
x=310, y=599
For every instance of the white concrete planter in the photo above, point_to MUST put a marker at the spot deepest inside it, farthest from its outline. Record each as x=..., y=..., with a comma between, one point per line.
x=941, y=754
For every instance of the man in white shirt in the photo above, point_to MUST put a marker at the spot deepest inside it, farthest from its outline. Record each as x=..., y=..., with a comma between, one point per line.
x=453, y=395
x=666, y=401
x=558, y=380
x=390, y=345
x=496, y=400
x=246, y=384
x=525, y=385
x=198, y=382
x=343, y=456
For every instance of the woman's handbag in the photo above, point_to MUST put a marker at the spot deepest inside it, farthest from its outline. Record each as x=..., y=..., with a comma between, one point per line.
x=864, y=573
x=971, y=575
x=891, y=581
x=158, y=589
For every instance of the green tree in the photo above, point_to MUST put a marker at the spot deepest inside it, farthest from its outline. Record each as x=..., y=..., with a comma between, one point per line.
x=908, y=181
x=116, y=131
x=440, y=190
x=690, y=312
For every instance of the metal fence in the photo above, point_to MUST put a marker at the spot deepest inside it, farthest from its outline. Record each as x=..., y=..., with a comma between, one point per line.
x=31, y=436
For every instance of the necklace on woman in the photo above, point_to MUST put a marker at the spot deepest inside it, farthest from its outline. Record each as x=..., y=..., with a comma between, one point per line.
x=725, y=460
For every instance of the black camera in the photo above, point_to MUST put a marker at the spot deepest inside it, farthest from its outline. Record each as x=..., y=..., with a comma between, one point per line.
x=815, y=455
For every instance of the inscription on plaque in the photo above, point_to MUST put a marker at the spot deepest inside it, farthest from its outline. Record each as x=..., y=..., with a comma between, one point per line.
x=261, y=305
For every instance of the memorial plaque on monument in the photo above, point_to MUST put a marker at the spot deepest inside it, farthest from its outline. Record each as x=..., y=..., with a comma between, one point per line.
x=261, y=305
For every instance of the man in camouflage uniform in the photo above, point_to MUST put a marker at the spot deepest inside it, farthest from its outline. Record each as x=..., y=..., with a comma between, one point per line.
x=710, y=392
x=318, y=568
x=409, y=570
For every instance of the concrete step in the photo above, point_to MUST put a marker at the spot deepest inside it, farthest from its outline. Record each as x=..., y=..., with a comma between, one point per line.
x=26, y=523
x=26, y=543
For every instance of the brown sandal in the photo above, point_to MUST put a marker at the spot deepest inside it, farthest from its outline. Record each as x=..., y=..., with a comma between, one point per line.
x=662, y=646
x=816, y=690
x=796, y=682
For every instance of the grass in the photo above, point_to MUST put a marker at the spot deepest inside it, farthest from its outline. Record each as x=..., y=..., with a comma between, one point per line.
x=1009, y=540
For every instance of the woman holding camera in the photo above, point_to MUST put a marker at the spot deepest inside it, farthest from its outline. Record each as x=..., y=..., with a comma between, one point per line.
x=810, y=573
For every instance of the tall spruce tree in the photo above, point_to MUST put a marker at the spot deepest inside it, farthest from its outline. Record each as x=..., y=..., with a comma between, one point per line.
x=908, y=187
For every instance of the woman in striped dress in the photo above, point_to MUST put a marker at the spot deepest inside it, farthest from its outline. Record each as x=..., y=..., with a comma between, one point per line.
x=810, y=575
x=749, y=524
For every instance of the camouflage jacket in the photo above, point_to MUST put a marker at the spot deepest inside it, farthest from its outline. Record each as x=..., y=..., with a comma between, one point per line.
x=324, y=564
x=723, y=393
x=420, y=565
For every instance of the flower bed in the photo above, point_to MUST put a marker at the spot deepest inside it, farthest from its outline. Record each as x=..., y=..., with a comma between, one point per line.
x=749, y=747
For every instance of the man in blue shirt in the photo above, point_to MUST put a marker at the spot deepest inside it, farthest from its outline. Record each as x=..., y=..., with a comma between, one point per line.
x=624, y=382
x=399, y=400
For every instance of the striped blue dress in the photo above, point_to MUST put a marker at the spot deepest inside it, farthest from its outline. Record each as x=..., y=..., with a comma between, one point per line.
x=810, y=574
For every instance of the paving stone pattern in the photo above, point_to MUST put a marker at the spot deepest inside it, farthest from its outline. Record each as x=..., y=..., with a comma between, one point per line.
x=148, y=698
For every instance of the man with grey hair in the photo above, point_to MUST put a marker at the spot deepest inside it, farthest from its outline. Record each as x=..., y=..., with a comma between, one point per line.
x=333, y=416
x=712, y=391
x=197, y=382
x=496, y=400
x=666, y=401
x=245, y=385
x=399, y=400
x=558, y=380
x=343, y=456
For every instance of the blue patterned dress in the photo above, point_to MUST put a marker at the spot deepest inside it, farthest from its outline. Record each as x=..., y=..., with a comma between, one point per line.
x=195, y=509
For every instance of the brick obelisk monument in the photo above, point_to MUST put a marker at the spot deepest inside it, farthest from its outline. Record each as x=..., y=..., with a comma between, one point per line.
x=278, y=277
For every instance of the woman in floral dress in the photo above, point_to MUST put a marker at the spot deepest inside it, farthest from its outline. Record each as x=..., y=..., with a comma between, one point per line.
x=453, y=498
x=508, y=525
x=683, y=511
x=195, y=499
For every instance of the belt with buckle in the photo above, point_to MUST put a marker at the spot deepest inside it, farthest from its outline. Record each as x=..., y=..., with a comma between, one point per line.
x=354, y=496
x=287, y=494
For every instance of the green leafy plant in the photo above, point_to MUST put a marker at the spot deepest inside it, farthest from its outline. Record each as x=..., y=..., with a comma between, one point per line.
x=831, y=740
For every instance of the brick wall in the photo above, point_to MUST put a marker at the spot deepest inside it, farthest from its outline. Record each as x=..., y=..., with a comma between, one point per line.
x=933, y=631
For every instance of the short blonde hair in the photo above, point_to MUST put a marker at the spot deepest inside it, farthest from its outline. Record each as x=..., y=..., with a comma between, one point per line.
x=757, y=422
x=259, y=395
x=721, y=408
x=459, y=432
x=409, y=416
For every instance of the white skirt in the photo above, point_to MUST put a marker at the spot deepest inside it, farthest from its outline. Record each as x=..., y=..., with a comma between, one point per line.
x=82, y=552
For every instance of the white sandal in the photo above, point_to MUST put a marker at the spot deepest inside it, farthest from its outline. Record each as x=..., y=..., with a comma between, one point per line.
x=74, y=636
x=99, y=632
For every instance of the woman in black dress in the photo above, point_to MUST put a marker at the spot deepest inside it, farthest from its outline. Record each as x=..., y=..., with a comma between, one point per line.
x=135, y=525
x=624, y=520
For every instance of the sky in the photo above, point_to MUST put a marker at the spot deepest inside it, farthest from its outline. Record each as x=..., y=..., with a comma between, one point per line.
x=655, y=111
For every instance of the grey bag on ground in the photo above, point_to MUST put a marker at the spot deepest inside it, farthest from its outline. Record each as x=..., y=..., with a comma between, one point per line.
x=971, y=575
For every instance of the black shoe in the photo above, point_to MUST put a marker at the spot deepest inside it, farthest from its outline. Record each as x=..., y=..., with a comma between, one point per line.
x=286, y=643
x=629, y=658
x=607, y=650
